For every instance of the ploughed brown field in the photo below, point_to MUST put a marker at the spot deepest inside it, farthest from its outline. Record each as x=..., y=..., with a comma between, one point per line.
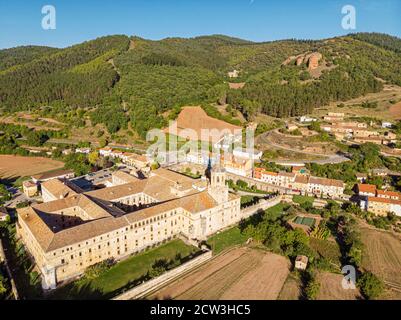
x=12, y=167
x=395, y=111
x=331, y=288
x=382, y=256
x=192, y=120
x=239, y=274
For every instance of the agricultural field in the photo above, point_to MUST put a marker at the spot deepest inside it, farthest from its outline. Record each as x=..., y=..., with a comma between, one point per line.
x=331, y=288
x=382, y=256
x=12, y=167
x=386, y=110
x=197, y=120
x=239, y=274
x=291, y=289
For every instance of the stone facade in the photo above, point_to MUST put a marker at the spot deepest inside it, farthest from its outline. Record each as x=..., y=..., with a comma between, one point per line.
x=68, y=235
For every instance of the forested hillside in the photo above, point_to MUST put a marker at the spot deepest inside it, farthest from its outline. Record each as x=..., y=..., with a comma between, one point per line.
x=122, y=80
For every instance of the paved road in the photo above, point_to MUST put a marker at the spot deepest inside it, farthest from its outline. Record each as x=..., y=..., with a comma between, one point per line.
x=328, y=158
x=17, y=197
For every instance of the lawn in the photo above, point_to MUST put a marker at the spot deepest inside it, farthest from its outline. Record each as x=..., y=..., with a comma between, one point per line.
x=247, y=201
x=226, y=239
x=124, y=274
x=302, y=199
x=276, y=211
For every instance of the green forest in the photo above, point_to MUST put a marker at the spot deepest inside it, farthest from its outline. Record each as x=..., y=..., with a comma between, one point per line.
x=123, y=81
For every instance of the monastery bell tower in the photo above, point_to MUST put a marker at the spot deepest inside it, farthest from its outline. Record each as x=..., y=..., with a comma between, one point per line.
x=218, y=188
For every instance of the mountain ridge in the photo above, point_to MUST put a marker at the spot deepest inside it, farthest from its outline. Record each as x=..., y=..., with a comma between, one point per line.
x=149, y=77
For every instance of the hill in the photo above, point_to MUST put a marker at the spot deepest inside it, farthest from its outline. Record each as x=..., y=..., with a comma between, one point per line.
x=120, y=81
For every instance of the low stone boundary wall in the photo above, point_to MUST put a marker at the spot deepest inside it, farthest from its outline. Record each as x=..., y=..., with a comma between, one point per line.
x=3, y=258
x=154, y=284
x=262, y=205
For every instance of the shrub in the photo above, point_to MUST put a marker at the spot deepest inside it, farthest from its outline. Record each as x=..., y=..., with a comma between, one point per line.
x=370, y=285
x=96, y=270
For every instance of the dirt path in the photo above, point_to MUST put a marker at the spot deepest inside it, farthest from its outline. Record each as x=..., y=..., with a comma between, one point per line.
x=328, y=158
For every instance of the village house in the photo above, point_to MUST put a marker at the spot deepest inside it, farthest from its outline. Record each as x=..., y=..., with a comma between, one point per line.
x=136, y=160
x=379, y=172
x=105, y=152
x=301, y=182
x=83, y=150
x=379, y=202
x=382, y=206
x=361, y=177
x=366, y=190
x=325, y=187
x=237, y=165
x=233, y=74
x=306, y=119
x=301, y=262
x=56, y=174
x=291, y=127
x=334, y=116
x=29, y=188
x=252, y=155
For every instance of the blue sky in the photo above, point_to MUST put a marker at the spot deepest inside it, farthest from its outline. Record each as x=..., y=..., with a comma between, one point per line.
x=257, y=20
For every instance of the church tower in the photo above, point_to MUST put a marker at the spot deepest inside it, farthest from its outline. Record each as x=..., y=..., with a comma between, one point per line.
x=218, y=188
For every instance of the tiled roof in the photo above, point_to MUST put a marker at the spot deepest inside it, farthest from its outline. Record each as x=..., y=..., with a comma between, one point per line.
x=326, y=182
x=52, y=174
x=384, y=200
x=106, y=217
x=60, y=189
x=367, y=188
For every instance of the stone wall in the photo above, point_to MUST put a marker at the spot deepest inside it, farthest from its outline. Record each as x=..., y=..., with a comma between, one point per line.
x=261, y=206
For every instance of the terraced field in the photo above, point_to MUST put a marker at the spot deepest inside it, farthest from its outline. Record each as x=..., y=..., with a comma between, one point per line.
x=382, y=256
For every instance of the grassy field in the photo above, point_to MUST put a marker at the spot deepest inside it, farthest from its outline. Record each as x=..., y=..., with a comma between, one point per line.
x=328, y=249
x=302, y=199
x=123, y=274
x=226, y=239
x=276, y=211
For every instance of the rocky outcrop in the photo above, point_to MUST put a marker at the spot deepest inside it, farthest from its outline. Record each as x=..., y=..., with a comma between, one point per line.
x=311, y=60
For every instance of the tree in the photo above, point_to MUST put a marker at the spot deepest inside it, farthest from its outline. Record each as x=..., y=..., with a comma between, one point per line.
x=93, y=157
x=312, y=289
x=370, y=285
x=3, y=285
